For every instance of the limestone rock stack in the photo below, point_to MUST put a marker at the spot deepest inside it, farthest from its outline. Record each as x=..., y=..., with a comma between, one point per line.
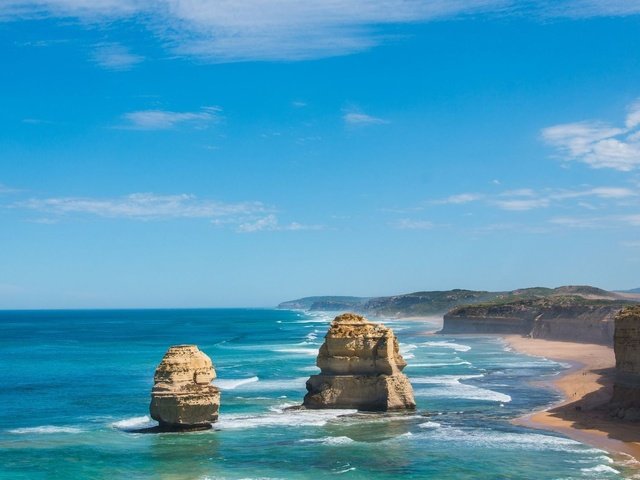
x=182, y=397
x=361, y=367
x=625, y=403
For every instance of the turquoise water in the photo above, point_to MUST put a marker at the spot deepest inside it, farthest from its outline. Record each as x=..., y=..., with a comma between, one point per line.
x=75, y=382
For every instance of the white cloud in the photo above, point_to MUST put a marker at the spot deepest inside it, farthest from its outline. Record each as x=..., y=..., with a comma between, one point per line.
x=529, y=199
x=599, y=144
x=633, y=220
x=522, y=204
x=578, y=222
x=113, y=56
x=362, y=119
x=270, y=223
x=241, y=30
x=143, y=206
x=409, y=224
x=459, y=199
x=165, y=120
x=610, y=221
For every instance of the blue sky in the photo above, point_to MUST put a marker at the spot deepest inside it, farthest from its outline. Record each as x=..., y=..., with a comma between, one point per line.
x=182, y=153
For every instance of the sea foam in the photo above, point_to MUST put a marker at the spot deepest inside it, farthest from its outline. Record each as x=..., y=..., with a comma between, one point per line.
x=281, y=418
x=134, y=423
x=449, y=386
x=233, y=383
x=444, y=344
x=45, y=429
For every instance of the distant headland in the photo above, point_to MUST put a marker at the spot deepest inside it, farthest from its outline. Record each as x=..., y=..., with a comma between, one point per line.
x=572, y=313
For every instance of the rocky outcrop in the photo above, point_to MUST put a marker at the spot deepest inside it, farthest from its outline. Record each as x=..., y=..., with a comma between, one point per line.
x=625, y=402
x=182, y=397
x=569, y=318
x=361, y=367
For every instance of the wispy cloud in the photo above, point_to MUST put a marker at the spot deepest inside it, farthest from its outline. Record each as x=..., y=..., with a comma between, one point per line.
x=599, y=222
x=355, y=118
x=412, y=224
x=599, y=144
x=243, y=217
x=519, y=204
x=270, y=223
x=460, y=199
x=241, y=30
x=590, y=8
x=142, y=206
x=5, y=190
x=529, y=199
x=113, y=56
x=165, y=119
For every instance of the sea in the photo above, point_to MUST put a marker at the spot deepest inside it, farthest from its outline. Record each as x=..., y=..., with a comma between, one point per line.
x=75, y=387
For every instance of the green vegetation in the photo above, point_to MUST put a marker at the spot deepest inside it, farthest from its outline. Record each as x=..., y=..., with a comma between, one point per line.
x=438, y=302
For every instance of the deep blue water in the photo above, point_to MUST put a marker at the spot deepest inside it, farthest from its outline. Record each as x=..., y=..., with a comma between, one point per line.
x=75, y=382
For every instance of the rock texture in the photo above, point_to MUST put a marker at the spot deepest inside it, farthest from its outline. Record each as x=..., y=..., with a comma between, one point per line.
x=626, y=390
x=568, y=318
x=361, y=367
x=182, y=397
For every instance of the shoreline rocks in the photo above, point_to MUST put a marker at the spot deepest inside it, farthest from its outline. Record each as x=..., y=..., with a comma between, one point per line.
x=182, y=397
x=361, y=367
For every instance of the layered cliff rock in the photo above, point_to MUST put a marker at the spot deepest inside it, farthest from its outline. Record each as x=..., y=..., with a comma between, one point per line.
x=182, y=397
x=625, y=402
x=560, y=317
x=361, y=367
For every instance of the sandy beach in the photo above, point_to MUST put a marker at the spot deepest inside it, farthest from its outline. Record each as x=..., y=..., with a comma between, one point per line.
x=586, y=388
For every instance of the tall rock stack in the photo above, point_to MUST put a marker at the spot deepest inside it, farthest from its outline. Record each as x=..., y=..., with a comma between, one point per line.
x=182, y=397
x=625, y=403
x=361, y=367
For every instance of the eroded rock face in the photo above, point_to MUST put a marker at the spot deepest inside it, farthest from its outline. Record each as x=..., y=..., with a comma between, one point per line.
x=182, y=397
x=626, y=390
x=361, y=367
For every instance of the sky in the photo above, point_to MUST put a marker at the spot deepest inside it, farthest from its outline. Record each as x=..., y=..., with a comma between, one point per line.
x=192, y=153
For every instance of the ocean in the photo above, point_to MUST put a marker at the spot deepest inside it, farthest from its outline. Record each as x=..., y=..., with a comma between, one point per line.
x=76, y=383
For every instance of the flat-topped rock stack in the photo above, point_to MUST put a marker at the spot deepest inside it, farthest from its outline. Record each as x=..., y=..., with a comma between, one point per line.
x=625, y=403
x=182, y=397
x=361, y=367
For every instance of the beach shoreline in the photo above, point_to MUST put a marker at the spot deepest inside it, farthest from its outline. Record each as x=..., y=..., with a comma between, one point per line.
x=586, y=387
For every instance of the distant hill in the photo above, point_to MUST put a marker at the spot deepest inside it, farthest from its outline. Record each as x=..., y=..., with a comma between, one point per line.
x=326, y=303
x=438, y=302
x=633, y=290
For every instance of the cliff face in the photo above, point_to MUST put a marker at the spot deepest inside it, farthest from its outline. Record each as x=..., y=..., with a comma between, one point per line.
x=556, y=318
x=625, y=402
x=361, y=367
x=182, y=397
x=589, y=324
x=489, y=319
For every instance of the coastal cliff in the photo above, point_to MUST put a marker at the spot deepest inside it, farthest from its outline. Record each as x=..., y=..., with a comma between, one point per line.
x=182, y=397
x=625, y=402
x=426, y=303
x=361, y=367
x=557, y=317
